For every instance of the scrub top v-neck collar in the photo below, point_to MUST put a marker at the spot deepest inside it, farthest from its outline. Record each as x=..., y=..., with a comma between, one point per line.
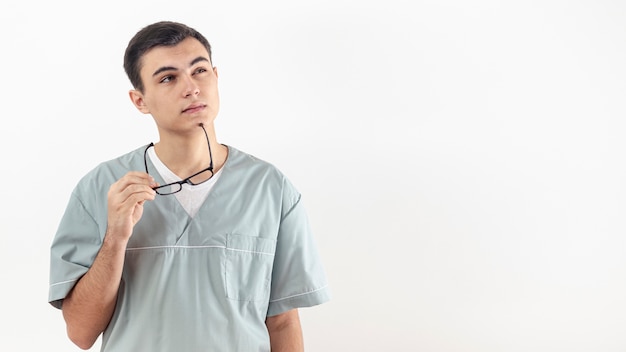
x=173, y=203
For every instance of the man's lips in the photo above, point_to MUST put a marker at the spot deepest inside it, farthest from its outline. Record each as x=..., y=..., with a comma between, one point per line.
x=194, y=108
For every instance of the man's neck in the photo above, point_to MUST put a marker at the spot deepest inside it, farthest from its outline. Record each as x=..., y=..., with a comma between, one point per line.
x=186, y=154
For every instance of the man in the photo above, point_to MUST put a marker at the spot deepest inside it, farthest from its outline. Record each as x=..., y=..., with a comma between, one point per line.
x=186, y=244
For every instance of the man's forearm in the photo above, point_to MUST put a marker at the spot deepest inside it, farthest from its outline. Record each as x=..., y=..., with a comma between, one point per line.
x=285, y=332
x=88, y=308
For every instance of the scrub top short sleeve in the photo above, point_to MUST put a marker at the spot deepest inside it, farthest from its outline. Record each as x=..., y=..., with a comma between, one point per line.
x=73, y=250
x=298, y=278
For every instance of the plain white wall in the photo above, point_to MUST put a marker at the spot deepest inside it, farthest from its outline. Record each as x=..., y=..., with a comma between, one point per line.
x=461, y=161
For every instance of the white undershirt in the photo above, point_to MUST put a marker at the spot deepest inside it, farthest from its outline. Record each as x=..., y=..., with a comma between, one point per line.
x=190, y=197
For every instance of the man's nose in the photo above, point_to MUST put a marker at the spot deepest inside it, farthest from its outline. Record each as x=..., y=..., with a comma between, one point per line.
x=191, y=88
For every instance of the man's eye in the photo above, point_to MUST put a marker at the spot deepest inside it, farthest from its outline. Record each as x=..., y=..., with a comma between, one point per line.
x=166, y=79
x=200, y=70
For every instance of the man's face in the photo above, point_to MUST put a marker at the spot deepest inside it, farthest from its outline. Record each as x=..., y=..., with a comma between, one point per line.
x=180, y=87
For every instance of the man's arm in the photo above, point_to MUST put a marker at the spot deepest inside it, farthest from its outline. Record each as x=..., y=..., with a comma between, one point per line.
x=285, y=332
x=88, y=308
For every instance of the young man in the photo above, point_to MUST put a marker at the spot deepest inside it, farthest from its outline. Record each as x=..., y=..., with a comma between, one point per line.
x=186, y=244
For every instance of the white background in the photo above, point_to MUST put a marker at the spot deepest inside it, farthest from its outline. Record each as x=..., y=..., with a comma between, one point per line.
x=462, y=161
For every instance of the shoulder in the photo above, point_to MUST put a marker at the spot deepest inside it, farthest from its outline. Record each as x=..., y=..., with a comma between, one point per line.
x=242, y=161
x=246, y=167
x=107, y=172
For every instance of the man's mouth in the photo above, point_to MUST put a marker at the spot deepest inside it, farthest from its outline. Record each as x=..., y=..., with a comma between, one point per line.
x=194, y=108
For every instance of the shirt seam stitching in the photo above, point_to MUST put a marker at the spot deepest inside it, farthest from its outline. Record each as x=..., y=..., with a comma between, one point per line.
x=199, y=247
x=299, y=294
x=63, y=282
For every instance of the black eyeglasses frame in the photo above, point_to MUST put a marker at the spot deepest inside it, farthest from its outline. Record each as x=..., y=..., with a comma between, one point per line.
x=183, y=181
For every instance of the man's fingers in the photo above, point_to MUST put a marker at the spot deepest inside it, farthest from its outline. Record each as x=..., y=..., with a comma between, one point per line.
x=133, y=194
x=125, y=202
x=133, y=178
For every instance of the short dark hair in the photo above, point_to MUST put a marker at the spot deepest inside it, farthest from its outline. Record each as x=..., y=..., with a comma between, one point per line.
x=164, y=33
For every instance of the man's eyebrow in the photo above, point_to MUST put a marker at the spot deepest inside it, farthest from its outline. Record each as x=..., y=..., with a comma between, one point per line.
x=198, y=59
x=164, y=68
x=170, y=68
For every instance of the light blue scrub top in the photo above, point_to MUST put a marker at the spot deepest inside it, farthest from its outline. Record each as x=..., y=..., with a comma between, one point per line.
x=202, y=283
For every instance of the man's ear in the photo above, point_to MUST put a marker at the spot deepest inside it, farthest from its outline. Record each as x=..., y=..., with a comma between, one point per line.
x=137, y=98
x=215, y=71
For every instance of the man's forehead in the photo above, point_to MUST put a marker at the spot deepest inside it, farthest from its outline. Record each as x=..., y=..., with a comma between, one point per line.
x=180, y=55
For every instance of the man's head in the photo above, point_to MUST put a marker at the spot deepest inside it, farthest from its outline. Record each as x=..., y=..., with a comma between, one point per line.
x=163, y=33
x=170, y=67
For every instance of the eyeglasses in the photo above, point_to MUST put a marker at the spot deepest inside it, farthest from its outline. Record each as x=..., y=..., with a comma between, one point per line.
x=194, y=180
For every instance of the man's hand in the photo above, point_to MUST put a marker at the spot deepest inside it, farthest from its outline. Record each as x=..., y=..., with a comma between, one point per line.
x=125, y=202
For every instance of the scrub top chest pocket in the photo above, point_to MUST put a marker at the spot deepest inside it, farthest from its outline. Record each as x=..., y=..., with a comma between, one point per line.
x=248, y=267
